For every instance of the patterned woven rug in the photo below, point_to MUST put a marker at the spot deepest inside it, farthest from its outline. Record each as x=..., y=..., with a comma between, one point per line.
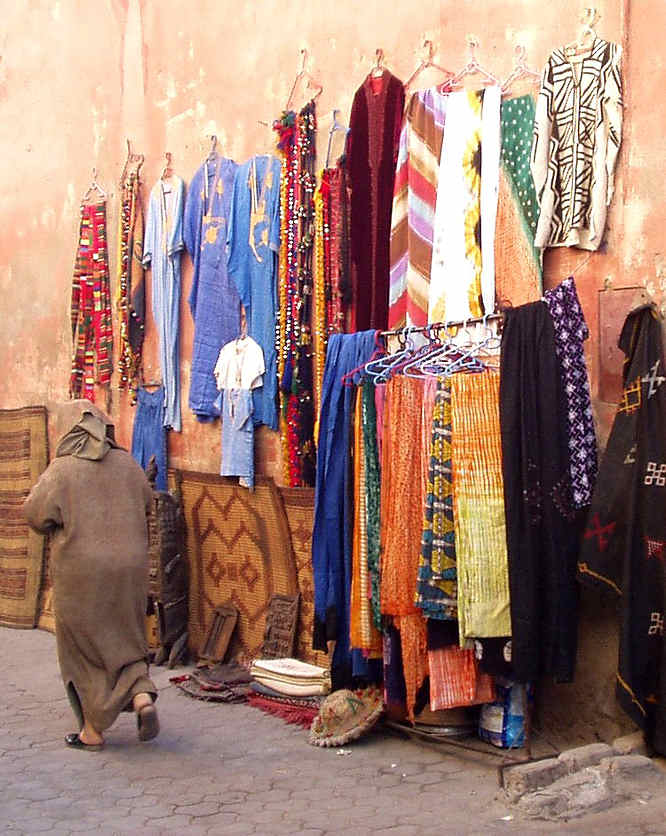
x=299, y=508
x=23, y=457
x=239, y=552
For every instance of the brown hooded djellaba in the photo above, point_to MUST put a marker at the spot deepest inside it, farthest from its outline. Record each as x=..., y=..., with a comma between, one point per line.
x=93, y=499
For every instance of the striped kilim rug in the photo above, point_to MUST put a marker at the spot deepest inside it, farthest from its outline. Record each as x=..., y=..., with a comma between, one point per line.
x=239, y=552
x=23, y=457
x=299, y=508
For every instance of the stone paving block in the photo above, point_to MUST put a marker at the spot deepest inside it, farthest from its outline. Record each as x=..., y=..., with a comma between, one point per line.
x=527, y=777
x=424, y=778
x=170, y=822
x=227, y=798
x=339, y=831
x=200, y=809
x=39, y=825
x=637, y=766
x=569, y=797
x=308, y=832
x=142, y=801
x=583, y=756
x=116, y=791
x=219, y=824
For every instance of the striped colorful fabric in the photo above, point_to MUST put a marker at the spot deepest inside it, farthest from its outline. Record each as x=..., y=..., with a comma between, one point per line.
x=372, y=491
x=90, y=311
x=363, y=633
x=455, y=679
x=436, y=585
x=414, y=200
x=478, y=505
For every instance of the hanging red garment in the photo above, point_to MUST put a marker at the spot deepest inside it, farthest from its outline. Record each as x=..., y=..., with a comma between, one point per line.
x=372, y=153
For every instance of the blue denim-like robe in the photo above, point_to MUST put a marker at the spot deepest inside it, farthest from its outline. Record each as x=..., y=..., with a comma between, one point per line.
x=213, y=300
x=162, y=247
x=254, y=243
x=332, y=534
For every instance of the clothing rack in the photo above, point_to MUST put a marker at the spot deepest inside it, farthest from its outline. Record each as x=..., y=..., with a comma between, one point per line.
x=421, y=329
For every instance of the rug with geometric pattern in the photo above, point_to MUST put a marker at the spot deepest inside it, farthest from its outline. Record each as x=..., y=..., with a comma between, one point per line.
x=239, y=552
x=23, y=458
x=299, y=509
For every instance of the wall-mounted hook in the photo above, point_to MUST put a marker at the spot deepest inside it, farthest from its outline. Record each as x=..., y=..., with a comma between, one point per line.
x=430, y=50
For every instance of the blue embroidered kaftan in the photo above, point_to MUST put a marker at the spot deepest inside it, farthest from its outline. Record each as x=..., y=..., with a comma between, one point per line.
x=213, y=300
x=254, y=243
x=162, y=247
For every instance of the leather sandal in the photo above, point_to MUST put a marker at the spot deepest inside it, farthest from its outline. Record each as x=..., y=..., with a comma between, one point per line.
x=148, y=724
x=75, y=742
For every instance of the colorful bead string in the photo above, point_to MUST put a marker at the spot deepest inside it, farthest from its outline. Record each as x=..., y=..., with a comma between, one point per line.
x=320, y=336
x=296, y=142
x=130, y=299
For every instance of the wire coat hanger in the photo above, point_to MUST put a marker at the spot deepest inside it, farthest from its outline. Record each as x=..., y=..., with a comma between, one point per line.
x=304, y=74
x=426, y=63
x=378, y=67
x=93, y=187
x=212, y=154
x=472, y=67
x=167, y=171
x=335, y=127
x=587, y=35
x=131, y=158
x=520, y=70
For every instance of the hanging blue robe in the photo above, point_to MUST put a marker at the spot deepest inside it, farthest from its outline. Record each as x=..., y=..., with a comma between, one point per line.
x=162, y=247
x=213, y=300
x=254, y=243
x=333, y=523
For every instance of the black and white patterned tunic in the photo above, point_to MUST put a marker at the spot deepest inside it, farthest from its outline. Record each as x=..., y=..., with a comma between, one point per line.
x=577, y=133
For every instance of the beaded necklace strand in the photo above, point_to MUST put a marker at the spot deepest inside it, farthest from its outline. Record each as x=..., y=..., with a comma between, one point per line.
x=296, y=143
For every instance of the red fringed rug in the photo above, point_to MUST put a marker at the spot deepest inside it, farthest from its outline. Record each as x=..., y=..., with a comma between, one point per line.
x=297, y=712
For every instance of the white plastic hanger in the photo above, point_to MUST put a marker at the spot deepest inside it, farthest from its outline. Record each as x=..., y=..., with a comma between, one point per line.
x=93, y=187
x=587, y=34
x=425, y=63
x=304, y=75
x=472, y=67
x=520, y=70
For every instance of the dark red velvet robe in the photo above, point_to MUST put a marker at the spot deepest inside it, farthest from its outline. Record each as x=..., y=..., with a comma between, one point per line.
x=372, y=152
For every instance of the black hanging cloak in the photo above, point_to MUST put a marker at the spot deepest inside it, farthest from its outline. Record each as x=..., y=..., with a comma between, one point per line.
x=624, y=544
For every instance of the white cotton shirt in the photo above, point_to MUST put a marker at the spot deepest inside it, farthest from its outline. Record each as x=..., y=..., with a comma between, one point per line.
x=240, y=365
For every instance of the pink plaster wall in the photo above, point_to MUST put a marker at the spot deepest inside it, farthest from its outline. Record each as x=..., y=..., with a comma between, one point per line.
x=77, y=79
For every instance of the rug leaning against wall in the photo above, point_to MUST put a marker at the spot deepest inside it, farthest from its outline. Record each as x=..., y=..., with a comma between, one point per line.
x=23, y=457
x=299, y=508
x=239, y=552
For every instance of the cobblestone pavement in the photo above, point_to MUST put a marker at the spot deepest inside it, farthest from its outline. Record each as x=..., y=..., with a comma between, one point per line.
x=232, y=769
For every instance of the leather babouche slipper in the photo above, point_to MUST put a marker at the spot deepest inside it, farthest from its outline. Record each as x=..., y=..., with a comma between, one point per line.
x=147, y=722
x=75, y=742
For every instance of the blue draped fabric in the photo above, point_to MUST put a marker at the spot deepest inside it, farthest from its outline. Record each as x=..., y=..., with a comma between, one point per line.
x=214, y=299
x=333, y=524
x=254, y=243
